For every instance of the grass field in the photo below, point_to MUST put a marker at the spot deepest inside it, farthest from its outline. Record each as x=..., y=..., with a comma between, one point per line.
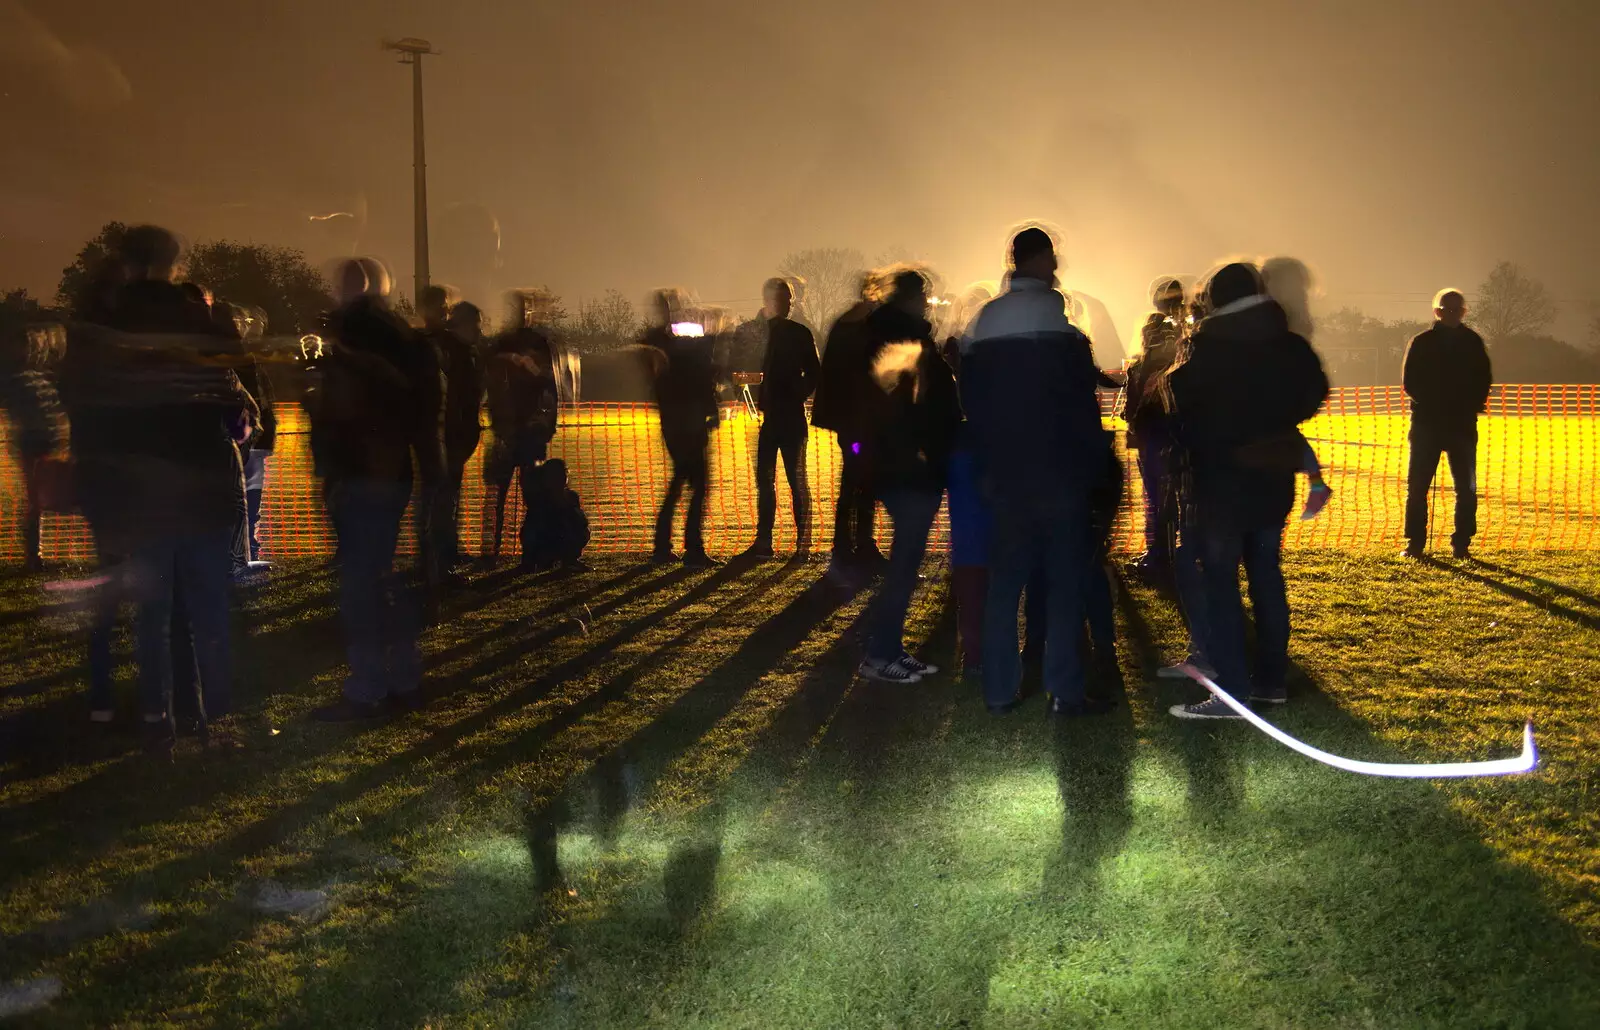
x=654, y=798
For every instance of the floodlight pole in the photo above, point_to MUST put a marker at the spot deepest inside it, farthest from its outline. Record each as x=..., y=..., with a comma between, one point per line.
x=411, y=52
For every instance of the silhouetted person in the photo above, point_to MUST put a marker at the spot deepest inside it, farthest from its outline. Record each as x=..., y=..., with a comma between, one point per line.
x=1028, y=386
x=38, y=434
x=1447, y=376
x=1148, y=431
x=432, y=516
x=915, y=416
x=463, y=415
x=686, y=396
x=789, y=373
x=264, y=436
x=560, y=528
x=172, y=402
x=380, y=422
x=523, y=408
x=842, y=405
x=1245, y=388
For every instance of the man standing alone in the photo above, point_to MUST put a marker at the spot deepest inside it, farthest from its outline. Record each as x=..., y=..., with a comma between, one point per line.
x=788, y=376
x=1447, y=376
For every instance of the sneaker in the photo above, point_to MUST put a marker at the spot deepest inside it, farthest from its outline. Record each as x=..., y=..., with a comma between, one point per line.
x=1316, y=500
x=1211, y=708
x=1178, y=671
x=1462, y=552
x=1414, y=550
x=700, y=560
x=872, y=562
x=1059, y=709
x=1270, y=696
x=888, y=672
x=760, y=549
x=346, y=710
x=917, y=665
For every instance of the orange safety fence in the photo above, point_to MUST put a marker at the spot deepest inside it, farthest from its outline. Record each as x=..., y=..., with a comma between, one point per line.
x=1538, y=480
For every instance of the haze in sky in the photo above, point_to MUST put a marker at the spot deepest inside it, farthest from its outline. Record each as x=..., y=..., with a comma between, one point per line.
x=1395, y=146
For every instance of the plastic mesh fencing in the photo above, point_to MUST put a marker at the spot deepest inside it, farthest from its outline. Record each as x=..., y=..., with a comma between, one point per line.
x=1538, y=448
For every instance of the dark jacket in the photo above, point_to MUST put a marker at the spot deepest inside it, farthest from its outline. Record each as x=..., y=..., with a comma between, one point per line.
x=686, y=386
x=1143, y=406
x=788, y=372
x=1447, y=375
x=381, y=399
x=913, y=413
x=152, y=398
x=32, y=405
x=1246, y=386
x=845, y=376
x=463, y=397
x=1028, y=381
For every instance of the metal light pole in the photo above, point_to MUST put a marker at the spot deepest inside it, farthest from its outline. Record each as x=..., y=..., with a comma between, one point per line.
x=411, y=51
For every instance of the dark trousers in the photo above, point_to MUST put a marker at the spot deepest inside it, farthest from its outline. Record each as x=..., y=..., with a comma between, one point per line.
x=691, y=467
x=789, y=441
x=852, y=517
x=1460, y=446
x=1160, y=508
x=1026, y=536
x=1098, y=609
x=197, y=565
x=380, y=611
x=447, y=516
x=1191, y=587
x=1224, y=546
x=912, y=513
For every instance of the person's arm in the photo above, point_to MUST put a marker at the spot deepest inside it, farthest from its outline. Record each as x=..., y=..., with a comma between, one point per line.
x=810, y=364
x=428, y=400
x=1483, y=374
x=1413, y=369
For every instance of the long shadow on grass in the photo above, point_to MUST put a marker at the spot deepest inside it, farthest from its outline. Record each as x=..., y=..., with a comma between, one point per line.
x=1379, y=884
x=1583, y=619
x=1571, y=593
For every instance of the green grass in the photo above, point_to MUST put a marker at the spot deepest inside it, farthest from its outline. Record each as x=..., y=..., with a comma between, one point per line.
x=655, y=798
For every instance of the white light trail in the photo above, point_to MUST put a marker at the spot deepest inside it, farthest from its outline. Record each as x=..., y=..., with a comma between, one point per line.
x=1525, y=762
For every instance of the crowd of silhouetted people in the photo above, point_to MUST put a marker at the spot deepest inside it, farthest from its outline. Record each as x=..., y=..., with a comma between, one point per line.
x=151, y=415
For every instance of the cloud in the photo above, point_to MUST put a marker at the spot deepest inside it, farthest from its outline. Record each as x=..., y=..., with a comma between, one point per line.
x=85, y=76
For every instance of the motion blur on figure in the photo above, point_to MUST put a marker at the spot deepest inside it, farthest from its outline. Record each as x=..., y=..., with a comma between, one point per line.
x=1289, y=283
x=28, y=395
x=1149, y=433
x=462, y=360
x=686, y=397
x=523, y=411
x=845, y=399
x=379, y=410
x=789, y=373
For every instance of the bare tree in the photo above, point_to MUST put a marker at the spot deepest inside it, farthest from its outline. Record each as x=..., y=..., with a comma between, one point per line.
x=1511, y=304
x=605, y=324
x=827, y=281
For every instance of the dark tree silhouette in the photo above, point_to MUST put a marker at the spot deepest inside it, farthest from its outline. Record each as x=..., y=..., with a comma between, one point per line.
x=1510, y=304
x=79, y=280
x=277, y=280
x=828, y=281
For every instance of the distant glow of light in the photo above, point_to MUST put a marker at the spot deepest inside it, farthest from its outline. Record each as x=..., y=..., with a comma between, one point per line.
x=688, y=329
x=1525, y=762
x=855, y=448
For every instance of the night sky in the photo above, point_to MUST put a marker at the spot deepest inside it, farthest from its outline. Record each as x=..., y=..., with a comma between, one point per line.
x=1397, y=147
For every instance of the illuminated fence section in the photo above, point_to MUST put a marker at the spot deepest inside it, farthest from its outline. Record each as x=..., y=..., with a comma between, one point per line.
x=1538, y=475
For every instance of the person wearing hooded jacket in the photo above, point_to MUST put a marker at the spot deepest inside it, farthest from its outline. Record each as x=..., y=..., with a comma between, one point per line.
x=913, y=415
x=1247, y=385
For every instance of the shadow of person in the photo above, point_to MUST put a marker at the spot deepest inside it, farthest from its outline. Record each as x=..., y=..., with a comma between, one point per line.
x=689, y=877
x=1094, y=763
x=1584, y=619
x=542, y=825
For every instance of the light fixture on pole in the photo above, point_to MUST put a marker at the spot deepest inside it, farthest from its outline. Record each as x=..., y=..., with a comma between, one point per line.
x=411, y=51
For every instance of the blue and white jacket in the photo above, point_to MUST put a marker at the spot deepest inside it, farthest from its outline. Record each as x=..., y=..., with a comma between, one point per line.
x=1028, y=382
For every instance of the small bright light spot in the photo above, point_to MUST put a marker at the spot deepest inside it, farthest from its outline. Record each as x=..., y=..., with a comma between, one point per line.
x=688, y=329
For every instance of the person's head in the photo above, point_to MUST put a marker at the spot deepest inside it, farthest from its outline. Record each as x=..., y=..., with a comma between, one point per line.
x=1233, y=283
x=1166, y=296
x=466, y=321
x=908, y=291
x=555, y=473
x=379, y=282
x=434, y=306
x=778, y=298
x=1288, y=281
x=149, y=252
x=1033, y=255
x=1450, y=307
x=350, y=281
x=194, y=293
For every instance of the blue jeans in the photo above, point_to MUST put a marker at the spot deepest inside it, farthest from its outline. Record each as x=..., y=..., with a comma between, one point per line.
x=381, y=614
x=1027, y=536
x=911, y=512
x=1224, y=546
x=198, y=564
